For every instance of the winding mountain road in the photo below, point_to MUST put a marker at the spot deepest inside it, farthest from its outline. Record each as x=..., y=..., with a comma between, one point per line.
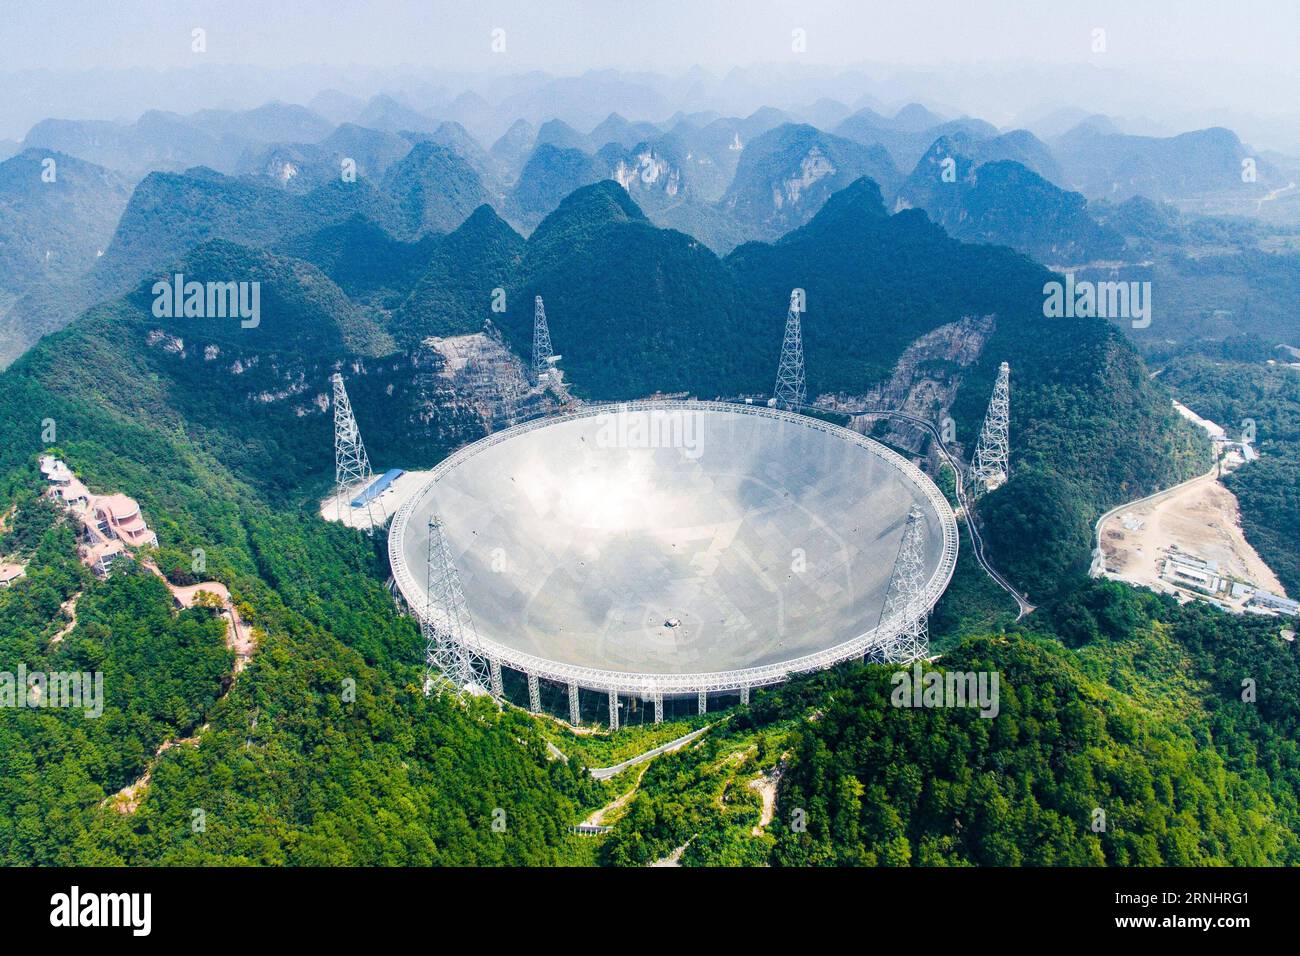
x=1098, y=555
x=604, y=773
x=977, y=541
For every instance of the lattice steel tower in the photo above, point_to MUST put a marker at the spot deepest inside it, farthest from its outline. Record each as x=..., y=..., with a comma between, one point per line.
x=541, y=341
x=790, y=391
x=351, y=464
x=991, y=466
x=906, y=596
x=450, y=640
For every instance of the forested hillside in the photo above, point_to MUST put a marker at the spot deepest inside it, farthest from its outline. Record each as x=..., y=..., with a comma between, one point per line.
x=634, y=310
x=785, y=175
x=278, y=283
x=1003, y=202
x=223, y=435
x=57, y=215
x=1089, y=430
x=286, y=769
x=1131, y=746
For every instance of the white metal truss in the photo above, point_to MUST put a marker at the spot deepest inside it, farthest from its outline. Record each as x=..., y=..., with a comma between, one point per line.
x=905, y=597
x=790, y=391
x=352, y=471
x=744, y=694
x=684, y=684
x=991, y=466
x=574, y=712
x=534, y=694
x=659, y=707
x=613, y=710
x=541, y=341
x=451, y=644
x=494, y=674
x=704, y=701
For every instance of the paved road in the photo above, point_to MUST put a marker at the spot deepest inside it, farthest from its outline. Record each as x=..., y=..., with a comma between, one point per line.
x=1098, y=555
x=556, y=752
x=604, y=773
x=977, y=541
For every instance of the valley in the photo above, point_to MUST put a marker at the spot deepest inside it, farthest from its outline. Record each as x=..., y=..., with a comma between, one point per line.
x=548, y=470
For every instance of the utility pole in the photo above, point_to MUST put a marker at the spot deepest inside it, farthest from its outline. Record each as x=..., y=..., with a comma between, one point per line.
x=451, y=644
x=906, y=595
x=541, y=342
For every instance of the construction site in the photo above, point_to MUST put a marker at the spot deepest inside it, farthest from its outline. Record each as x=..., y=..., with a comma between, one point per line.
x=1187, y=541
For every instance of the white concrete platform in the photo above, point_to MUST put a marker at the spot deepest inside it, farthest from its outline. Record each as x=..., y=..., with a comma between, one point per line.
x=339, y=507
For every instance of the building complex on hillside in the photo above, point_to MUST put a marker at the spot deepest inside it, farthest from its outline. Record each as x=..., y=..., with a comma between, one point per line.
x=1193, y=573
x=111, y=525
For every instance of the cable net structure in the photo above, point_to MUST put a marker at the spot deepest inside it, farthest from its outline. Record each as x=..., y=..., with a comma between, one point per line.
x=351, y=464
x=991, y=466
x=538, y=623
x=541, y=341
x=450, y=640
x=905, y=598
x=790, y=391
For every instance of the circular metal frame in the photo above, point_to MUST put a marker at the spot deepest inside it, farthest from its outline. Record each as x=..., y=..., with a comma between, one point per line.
x=648, y=685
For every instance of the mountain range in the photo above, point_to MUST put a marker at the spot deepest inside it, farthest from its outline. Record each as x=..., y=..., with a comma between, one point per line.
x=398, y=236
x=634, y=308
x=264, y=176
x=224, y=433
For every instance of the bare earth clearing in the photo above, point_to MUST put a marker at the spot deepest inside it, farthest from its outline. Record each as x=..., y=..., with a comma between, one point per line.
x=1200, y=518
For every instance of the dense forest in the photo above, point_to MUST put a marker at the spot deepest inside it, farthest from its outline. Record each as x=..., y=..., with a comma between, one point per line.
x=1114, y=700
x=324, y=751
x=1269, y=494
x=287, y=769
x=634, y=310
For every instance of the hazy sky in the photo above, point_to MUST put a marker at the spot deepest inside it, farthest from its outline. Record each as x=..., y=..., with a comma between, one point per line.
x=572, y=35
x=1167, y=65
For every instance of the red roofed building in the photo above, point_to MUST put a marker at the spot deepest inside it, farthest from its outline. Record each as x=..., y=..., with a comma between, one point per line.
x=112, y=523
x=117, y=516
